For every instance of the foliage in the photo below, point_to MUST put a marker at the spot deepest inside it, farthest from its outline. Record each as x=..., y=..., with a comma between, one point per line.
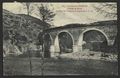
x=45, y=13
x=21, y=26
x=107, y=9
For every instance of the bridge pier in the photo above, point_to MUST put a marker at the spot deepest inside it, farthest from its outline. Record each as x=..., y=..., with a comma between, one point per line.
x=77, y=48
x=52, y=50
x=55, y=50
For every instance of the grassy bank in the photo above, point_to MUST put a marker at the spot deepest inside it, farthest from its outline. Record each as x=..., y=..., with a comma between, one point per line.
x=20, y=66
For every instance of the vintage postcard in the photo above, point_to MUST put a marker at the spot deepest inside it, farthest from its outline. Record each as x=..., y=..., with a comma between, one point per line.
x=72, y=38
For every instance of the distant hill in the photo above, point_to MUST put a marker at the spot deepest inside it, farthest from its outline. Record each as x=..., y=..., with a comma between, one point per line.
x=108, y=22
x=23, y=28
x=44, y=25
x=19, y=23
x=11, y=15
x=98, y=23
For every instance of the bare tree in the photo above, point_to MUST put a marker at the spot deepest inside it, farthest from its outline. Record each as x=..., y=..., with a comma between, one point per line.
x=45, y=14
x=109, y=10
x=28, y=7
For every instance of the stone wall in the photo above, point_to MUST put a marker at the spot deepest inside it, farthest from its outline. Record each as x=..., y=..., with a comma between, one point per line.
x=109, y=31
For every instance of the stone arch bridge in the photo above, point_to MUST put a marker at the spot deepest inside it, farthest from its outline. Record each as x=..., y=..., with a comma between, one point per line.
x=77, y=37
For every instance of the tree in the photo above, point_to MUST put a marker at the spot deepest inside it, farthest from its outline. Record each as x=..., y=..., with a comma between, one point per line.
x=109, y=10
x=45, y=14
x=28, y=7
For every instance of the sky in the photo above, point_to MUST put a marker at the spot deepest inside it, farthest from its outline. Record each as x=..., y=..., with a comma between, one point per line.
x=66, y=13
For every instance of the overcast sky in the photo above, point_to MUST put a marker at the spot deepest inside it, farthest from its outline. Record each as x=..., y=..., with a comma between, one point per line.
x=66, y=13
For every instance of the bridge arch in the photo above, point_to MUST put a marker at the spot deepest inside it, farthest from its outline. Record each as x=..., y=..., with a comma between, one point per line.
x=80, y=40
x=57, y=40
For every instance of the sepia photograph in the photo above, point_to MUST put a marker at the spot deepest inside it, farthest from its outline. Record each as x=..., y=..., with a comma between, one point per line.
x=47, y=38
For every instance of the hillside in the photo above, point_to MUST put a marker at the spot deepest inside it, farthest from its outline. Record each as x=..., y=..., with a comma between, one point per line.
x=20, y=29
x=22, y=24
x=108, y=22
x=43, y=25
